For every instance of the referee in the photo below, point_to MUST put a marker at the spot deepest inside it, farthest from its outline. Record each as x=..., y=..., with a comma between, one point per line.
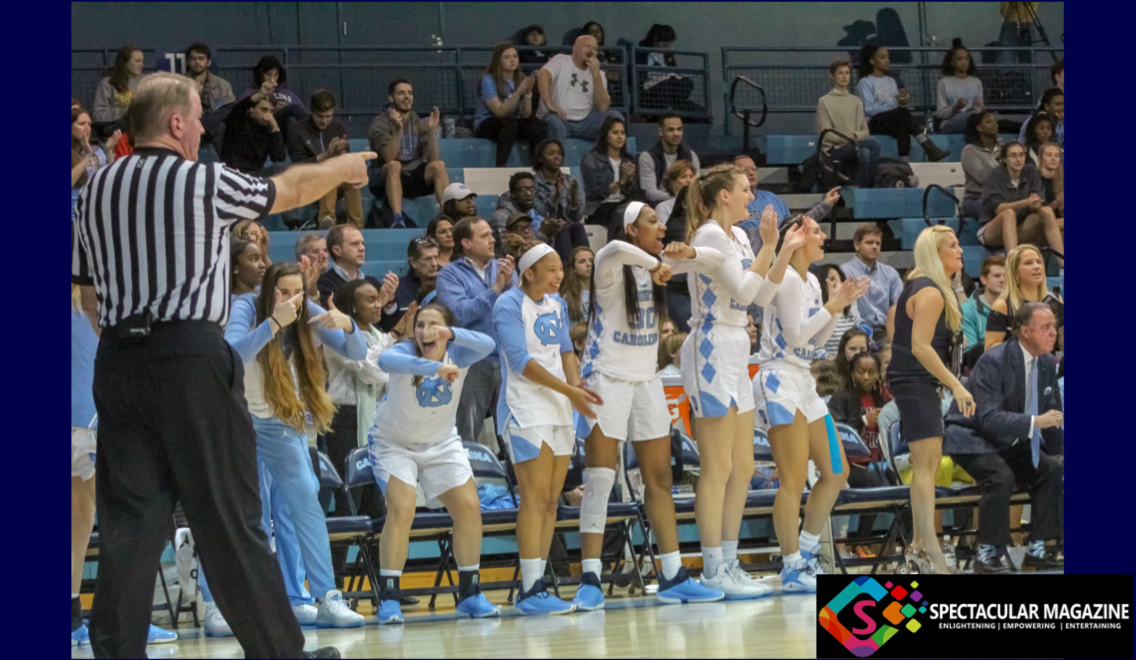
x=152, y=236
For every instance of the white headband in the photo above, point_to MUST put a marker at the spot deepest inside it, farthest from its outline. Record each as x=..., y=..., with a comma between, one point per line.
x=534, y=255
x=631, y=213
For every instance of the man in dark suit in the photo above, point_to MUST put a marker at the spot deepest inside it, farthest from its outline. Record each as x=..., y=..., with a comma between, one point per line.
x=1013, y=438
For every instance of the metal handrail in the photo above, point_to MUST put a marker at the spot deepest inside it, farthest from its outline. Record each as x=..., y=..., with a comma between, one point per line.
x=734, y=108
x=953, y=198
x=825, y=165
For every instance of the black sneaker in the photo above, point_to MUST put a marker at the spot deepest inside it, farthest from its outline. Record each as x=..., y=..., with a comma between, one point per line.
x=989, y=566
x=1049, y=559
x=325, y=652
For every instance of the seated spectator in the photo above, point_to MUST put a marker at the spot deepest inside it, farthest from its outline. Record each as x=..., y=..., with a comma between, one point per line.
x=252, y=135
x=573, y=93
x=1057, y=74
x=558, y=193
x=1053, y=104
x=976, y=310
x=504, y=107
x=576, y=287
x=246, y=267
x=408, y=149
x=1013, y=205
x=578, y=333
x=751, y=330
x=654, y=162
x=666, y=329
x=959, y=93
x=877, y=306
x=670, y=353
x=609, y=173
x=518, y=226
x=885, y=105
x=216, y=92
x=313, y=247
x=843, y=112
x=824, y=373
x=1014, y=440
x=114, y=93
x=521, y=198
x=1040, y=132
x=659, y=89
x=289, y=108
x=763, y=199
x=979, y=158
x=458, y=201
x=1025, y=283
x=441, y=229
x=250, y=230
x=316, y=139
x=831, y=277
x=854, y=340
x=86, y=158
x=533, y=36
x=1052, y=172
x=348, y=252
x=606, y=56
x=678, y=176
x=420, y=280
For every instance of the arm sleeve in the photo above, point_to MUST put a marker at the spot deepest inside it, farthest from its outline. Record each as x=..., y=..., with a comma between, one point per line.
x=993, y=194
x=823, y=122
x=864, y=91
x=368, y=368
x=466, y=310
x=942, y=107
x=596, y=177
x=226, y=91
x=974, y=165
x=379, y=134
x=470, y=347
x=102, y=110
x=820, y=211
x=790, y=303
x=895, y=289
x=401, y=359
x=351, y=345
x=706, y=260
x=970, y=325
x=740, y=283
x=616, y=255
x=276, y=149
x=488, y=90
x=238, y=196
x=647, y=179
x=297, y=150
x=1035, y=185
x=985, y=384
x=862, y=131
x=844, y=409
x=510, y=327
x=578, y=203
x=997, y=322
x=246, y=340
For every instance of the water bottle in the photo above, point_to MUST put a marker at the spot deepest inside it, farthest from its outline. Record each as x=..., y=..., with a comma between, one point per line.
x=949, y=553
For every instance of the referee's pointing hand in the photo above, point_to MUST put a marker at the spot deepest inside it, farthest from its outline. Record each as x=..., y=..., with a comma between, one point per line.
x=356, y=164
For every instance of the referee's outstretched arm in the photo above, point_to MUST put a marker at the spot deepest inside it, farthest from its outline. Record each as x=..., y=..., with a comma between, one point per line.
x=301, y=185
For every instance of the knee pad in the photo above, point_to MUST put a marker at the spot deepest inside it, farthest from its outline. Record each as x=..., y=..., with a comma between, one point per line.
x=597, y=490
x=833, y=446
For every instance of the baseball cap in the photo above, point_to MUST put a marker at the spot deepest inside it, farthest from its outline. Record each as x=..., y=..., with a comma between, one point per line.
x=456, y=191
x=517, y=217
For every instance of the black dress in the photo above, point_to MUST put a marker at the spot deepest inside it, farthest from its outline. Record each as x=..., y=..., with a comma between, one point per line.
x=916, y=390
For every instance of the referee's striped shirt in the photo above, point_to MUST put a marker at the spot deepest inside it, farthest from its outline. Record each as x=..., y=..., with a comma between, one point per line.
x=152, y=232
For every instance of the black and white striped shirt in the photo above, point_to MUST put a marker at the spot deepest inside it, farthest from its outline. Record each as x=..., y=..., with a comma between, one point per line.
x=152, y=232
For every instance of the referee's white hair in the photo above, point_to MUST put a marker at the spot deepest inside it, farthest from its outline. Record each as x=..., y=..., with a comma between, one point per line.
x=158, y=97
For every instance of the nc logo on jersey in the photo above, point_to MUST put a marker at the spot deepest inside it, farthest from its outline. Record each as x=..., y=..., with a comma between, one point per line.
x=548, y=328
x=434, y=393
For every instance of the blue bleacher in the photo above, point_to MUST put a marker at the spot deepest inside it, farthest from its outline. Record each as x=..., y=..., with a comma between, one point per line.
x=910, y=228
x=889, y=203
x=382, y=244
x=794, y=149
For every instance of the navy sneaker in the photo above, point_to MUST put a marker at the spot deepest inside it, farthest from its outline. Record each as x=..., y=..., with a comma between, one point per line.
x=537, y=601
x=589, y=595
x=685, y=589
x=398, y=220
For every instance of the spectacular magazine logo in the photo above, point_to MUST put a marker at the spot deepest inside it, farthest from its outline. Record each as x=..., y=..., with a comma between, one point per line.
x=866, y=614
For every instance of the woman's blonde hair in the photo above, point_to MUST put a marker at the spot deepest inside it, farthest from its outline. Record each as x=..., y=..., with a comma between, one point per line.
x=279, y=383
x=669, y=347
x=76, y=298
x=929, y=265
x=702, y=194
x=1011, y=291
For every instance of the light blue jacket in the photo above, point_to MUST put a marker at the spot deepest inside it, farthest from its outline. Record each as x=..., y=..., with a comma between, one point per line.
x=471, y=298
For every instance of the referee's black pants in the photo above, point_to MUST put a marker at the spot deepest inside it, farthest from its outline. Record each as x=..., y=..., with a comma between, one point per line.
x=174, y=425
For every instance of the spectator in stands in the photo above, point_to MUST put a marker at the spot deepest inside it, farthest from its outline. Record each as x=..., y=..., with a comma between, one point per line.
x=843, y=112
x=1053, y=104
x=289, y=108
x=313, y=247
x=678, y=176
x=763, y=199
x=518, y=225
x=250, y=230
x=959, y=93
x=976, y=310
x=316, y=139
x=504, y=107
x=824, y=373
x=458, y=201
x=831, y=277
x=678, y=292
x=578, y=333
x=469, y=286
x=1013, y=440
x=608, y=56
x=348, y=253
x=575, y=288
x=253, y=134
x=609, y=173
x=979, y=158
x=670, y=354
x=215, y=91
x=654, y=162
x=885, y=105
x=408, y=148
x=659, y=89
x=441, y=229
x=534, y=36
x=420, y=280
x=1040, y=132
x=86, y=157
x=751, y=330
x=522, y=198
x=1052, y=171
x=558, y=194
x=1057, y=74
x=877, y=306
x=114, y=93
x=854, y=340
x=1013, y=205
x=573, y=93
x=1025, y=283
x=246, y=266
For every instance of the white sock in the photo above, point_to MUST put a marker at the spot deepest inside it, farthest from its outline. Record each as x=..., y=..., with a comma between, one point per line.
x=530, y=572
x=467, y=569
x=791, y=559
x=808, y=542
x=729, y=550
x=672, y=561
x=593, y=566
x=543, y=567
x=73, y=596
x=921, y=138
x=711, y=560
x=390, y=572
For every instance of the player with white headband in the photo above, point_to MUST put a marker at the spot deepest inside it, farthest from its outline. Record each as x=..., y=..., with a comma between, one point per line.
x=627, y=307
x=540, y=385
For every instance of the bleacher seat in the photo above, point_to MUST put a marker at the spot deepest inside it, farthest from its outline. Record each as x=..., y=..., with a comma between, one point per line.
x=789, y=149
x=382, y=244
x=486, y=205
x=379, y=269
x=889, y=203
x=910, y=228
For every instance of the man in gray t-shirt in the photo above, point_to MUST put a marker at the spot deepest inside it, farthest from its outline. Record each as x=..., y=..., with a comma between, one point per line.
x=573, y=93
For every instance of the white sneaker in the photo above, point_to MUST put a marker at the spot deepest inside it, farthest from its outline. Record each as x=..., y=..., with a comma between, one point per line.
x=334, y=612
x=813, y=557
x=306, y=614
x=723, y=581
x=215, y=624
x=748, y=581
